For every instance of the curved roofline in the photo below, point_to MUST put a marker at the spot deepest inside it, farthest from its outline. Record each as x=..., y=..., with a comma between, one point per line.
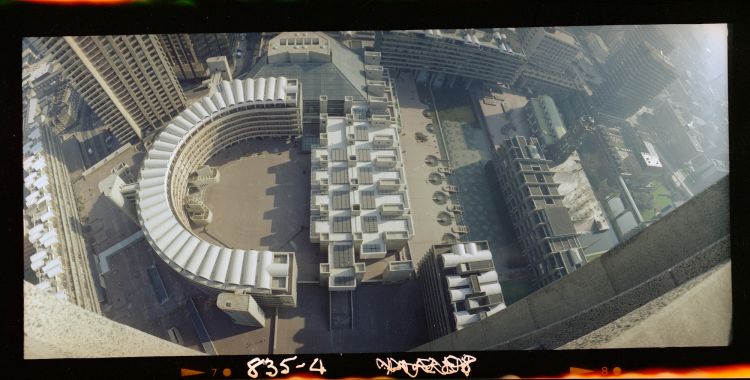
x=209, y=264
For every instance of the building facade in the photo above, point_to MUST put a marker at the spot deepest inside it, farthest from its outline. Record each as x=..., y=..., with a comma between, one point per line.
x=126, y=80
x=60, y=259
x=187, y=53
x=633, y=77
x=549, y=48
x=239, y=110
x=540, y=221
x=470, y=54
x=540, y=81
x=459, y=286
x=359, y=201
x=654, y=35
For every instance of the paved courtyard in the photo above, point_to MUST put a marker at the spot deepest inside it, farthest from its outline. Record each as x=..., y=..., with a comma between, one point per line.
x=470, y=153
x=504, y=116
x=427, y=230
x=387, y=318
x=262, y=201
x=104, y=224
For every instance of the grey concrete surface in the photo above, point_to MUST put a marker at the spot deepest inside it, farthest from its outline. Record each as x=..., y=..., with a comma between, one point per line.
x=386, y=318
x=262, y=201
x=638, y=272
x=427, y=231
x=58, y=329
x=682, y=324
x=589, y=288
x=673, y=320
x=679, y=233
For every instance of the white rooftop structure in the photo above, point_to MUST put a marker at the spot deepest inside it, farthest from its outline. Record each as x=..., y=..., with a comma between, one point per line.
x=222, y=268
x=299, y=47
x=651, y=158
x=470, y=281
x=359, y=203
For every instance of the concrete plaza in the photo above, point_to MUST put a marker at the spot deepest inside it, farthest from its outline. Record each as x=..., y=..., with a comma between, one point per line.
x=427, y=230
x=262, y=201
x=504, y=118
x=387, y=318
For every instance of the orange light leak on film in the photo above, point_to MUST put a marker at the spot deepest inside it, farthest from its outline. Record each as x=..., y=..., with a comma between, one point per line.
x=81, y=2
x=734, y=371
x=311, y=377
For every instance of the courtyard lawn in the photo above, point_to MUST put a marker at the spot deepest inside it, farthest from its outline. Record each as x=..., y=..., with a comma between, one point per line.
x=662, y=198
x=454, y=105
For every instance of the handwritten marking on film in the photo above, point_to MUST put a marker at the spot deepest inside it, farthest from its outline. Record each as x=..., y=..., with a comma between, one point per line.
x=450, y=365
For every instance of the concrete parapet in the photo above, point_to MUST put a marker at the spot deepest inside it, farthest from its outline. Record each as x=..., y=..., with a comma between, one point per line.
x=58, y=329
x=687, y=242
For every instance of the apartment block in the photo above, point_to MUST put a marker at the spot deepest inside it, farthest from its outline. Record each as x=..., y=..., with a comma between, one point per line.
x=465, y=53
x=126, y=80
x=459, y=286
x=187, y=53
x=549, y=48
x=359, y=201
x=60, y=259
x=540, y=221
x=632, y=80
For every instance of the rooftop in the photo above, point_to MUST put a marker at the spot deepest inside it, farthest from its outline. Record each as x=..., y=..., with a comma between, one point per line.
x=561, y=35
x=559, y=221
x=342, y=76
x=483, y=38
x=548, y=117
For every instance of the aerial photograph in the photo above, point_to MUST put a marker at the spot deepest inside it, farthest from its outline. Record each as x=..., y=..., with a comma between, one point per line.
x=535, y=188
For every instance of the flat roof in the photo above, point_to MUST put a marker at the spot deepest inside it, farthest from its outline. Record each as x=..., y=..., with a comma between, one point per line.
x=559, y=221
x=626, y=222
x=554, y=128
x=343, y=76
x=343, y=255
x=561, y=35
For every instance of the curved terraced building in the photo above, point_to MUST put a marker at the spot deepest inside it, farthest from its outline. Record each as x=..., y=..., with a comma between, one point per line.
x=240, y=110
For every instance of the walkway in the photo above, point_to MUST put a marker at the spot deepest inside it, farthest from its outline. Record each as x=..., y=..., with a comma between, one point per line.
x=427, y=231
x=104, y=255
x=470, y=150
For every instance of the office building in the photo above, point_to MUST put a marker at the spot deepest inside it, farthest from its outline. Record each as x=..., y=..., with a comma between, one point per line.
x=610, y=144
x=706, y=172
x=654, y=35
x=126, y=80
x=443, y=55
x=598, y=48
x=544, y=120
x=239, y=110
x=459, y=286
x=632, y=80
x=649, y=164
x=540, y=221
x=669, y=121
x=549, y=48
x=60, y=259
x=187, y=53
